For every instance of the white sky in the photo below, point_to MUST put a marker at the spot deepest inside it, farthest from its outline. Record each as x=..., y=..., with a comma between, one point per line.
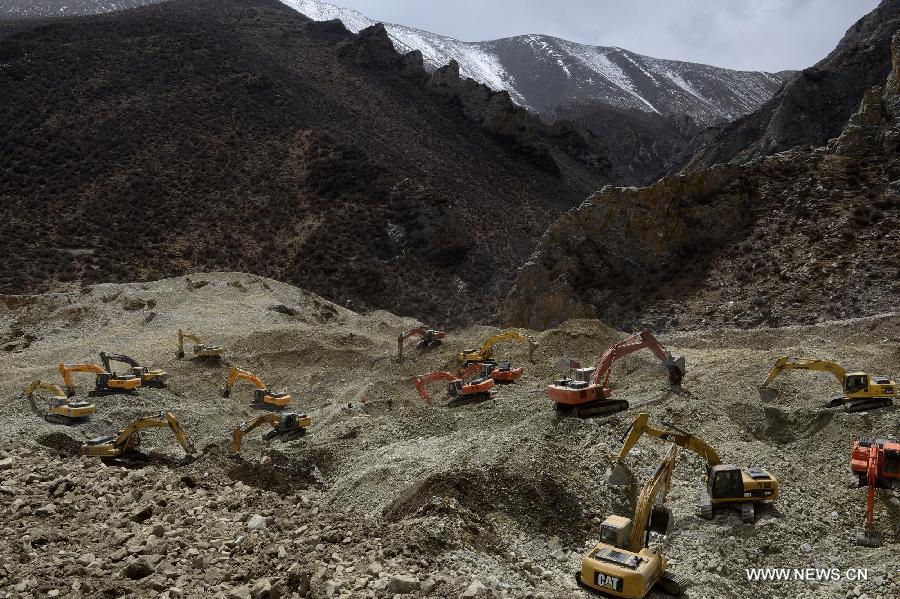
x=768, y=35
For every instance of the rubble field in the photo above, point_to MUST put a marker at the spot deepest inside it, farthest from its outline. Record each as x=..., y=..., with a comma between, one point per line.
x=388, y=497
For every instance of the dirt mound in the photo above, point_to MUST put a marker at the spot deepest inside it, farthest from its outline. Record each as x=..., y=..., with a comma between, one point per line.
x=780, y=426
x=61, y=442
x=540, y=504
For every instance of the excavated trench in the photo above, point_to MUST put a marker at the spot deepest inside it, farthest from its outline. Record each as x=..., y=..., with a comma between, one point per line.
x=776, y=425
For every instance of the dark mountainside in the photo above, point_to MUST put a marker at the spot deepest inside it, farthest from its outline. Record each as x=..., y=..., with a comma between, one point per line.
x=238, y=135
x=803, y=236
x=18, y=9
x=813, y=106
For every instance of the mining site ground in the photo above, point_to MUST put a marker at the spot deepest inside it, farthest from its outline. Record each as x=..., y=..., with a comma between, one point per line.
x=386, y=496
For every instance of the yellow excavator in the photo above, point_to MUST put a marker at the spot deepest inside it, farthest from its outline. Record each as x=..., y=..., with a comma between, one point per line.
x=486, y=352
x=262, y=397
x=149, y=378
x=105, y=383
x=862, y=391
x=622, y=564
x=127, y=440
x=723, y=486
x=62, y=409
x=285, y=427
x=201, y=350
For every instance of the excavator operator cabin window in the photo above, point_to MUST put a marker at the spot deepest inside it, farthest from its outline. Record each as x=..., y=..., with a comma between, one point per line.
x=609, y=535
x=855, y=383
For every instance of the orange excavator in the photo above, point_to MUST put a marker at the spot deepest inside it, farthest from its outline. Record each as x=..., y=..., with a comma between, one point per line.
x=876, y=463
x=106, y=382
x=262, y=397
x=427, y=338
x=587, y=393
x=476, y=390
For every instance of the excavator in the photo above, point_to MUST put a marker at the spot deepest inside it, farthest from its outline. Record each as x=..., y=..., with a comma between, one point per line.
x=725, y=485
x=587, y=393
x=876, y=464
x=263, y=397
x=212, y=352
x=862, y=391
x=622, y=564
x=62, y=409
x=486, y=352
x=476, y=390
x=286, y=426
x=106, y=382
x=149, y=378
x=427, y=338
x=127, y=440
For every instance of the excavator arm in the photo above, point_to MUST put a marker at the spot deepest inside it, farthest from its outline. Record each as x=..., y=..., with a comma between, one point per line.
x=641, y=426
x=37, y=385
x=785, y=363
x=238, y=435
x=237, y=374
x=653, y=494
x=126, y=439
x=421, y=381
x=105, y=359
x=66, y=370
x=638, y=341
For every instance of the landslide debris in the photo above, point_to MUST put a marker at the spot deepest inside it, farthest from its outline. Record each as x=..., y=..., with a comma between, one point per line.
x=385, y=496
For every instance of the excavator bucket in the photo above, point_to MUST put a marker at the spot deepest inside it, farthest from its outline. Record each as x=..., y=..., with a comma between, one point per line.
x=621, y=476
x=868, y=538
x=676, y=369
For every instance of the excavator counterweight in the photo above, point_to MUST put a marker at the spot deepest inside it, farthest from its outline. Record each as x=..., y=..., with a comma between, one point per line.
x=263, y=398
x=587, y=392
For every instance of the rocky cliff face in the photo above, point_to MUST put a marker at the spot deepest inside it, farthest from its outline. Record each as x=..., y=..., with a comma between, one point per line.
x=803, y=236
x=813, y=106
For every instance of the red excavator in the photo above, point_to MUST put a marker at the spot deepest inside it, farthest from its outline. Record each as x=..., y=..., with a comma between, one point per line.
x=476, y=390
x=427, y=338
x=587, y=393
x=876, y=464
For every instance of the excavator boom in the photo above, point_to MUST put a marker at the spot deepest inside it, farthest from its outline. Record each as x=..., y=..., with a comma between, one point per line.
x=786, y=363
x=262, y=396
x=645, y=339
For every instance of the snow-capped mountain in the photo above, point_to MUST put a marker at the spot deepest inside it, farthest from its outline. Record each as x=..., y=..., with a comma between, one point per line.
x=542, y=72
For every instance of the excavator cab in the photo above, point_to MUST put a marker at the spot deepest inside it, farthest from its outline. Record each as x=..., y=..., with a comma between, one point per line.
x=856, y=382
x=726, y=481
x=615, y=531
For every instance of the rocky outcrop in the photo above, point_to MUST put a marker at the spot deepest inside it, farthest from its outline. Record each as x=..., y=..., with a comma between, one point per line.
x=792, y=238
x=813, y=106
x=372, y=47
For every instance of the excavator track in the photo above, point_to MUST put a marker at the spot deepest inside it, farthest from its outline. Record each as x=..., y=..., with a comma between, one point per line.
x=671, y=584
x=868, y=404
x=706, y=506
x=600, y=408
x=469, y=399
x=868, y=538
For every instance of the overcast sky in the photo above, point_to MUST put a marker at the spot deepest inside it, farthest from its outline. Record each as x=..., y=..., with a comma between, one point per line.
x=768, y=35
